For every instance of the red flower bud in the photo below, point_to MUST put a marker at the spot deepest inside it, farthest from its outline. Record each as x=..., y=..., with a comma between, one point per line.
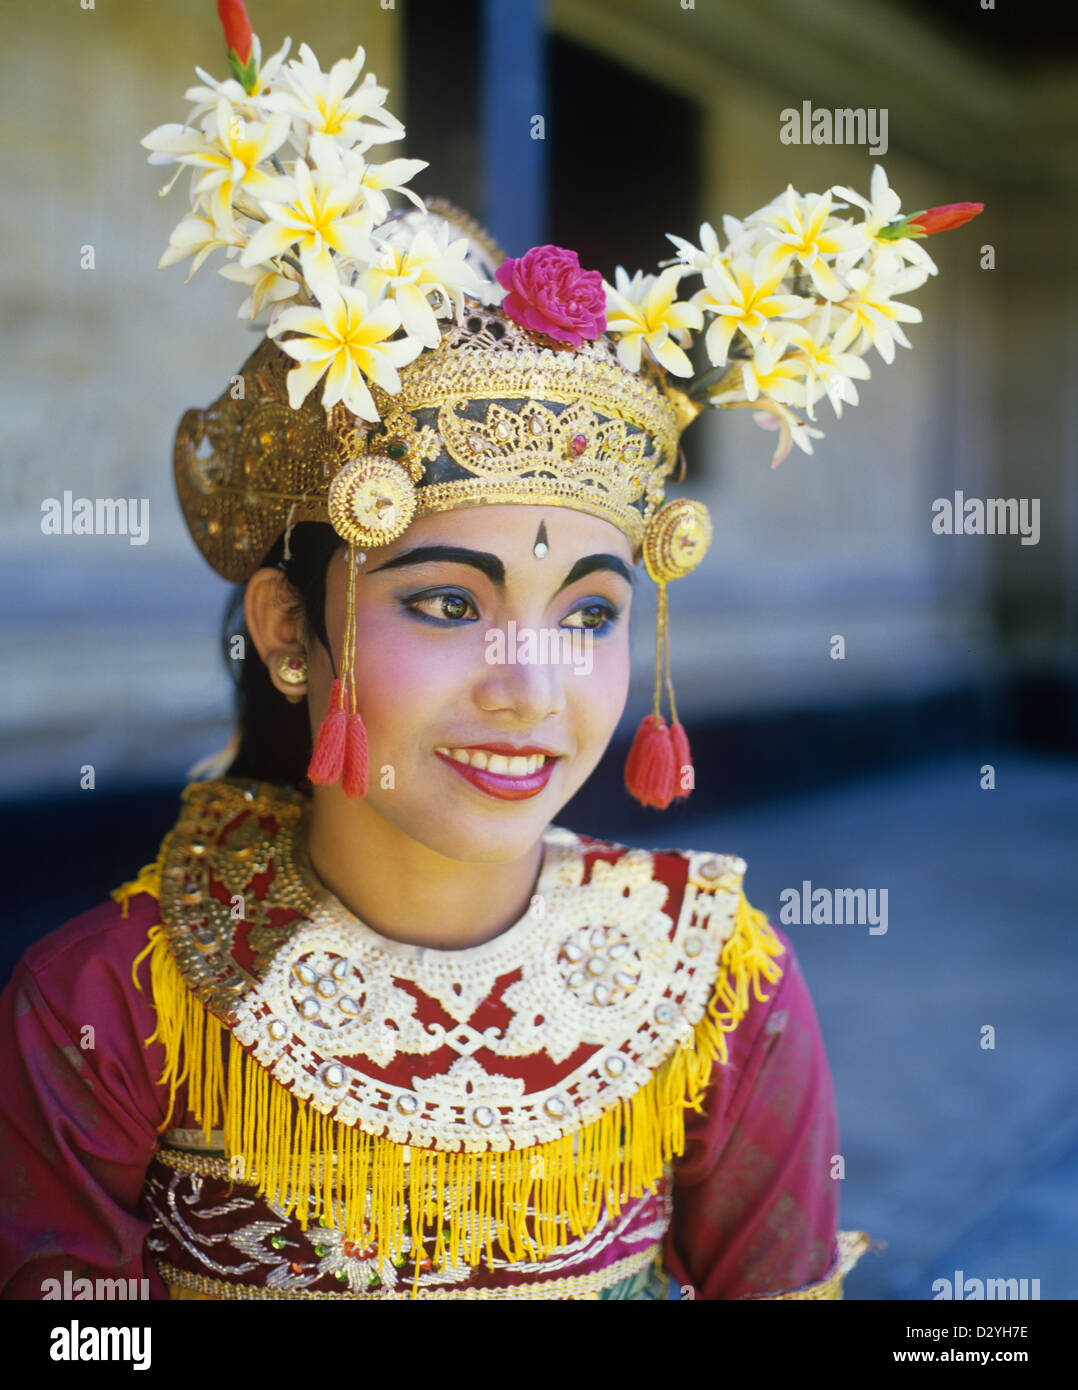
x=944, y=218
x=237, y=27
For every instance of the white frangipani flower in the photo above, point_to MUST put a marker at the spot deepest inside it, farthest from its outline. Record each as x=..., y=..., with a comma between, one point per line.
x=345, y=340
x=644, y=313
x=803, y=228
x=196, y=235
x=230, y=152
x=373, y=179
x=791, y=429
x=883, y=260
x=413, y=266
x=324, y=104
x=268, y=286
x=826, y=371
x=741, y=240
x=771, y=383
x=697, y=256
x=250, y=105
x=882, y=206
x=315, y=211
x=769, y=372
x=743, y=296
x=873, y=316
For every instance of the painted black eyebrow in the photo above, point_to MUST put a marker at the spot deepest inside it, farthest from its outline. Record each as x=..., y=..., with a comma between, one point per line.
x=493, y=568
x=483, y=560
x=597, y=562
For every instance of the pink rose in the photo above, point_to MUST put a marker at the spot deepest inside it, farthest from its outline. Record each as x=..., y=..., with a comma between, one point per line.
x=549, y=293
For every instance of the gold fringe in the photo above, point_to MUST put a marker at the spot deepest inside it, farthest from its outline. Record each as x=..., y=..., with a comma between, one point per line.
x=147, y=880
x=292, y=1153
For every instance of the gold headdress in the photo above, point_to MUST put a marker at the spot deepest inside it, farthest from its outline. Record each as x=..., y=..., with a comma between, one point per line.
x=456, y=376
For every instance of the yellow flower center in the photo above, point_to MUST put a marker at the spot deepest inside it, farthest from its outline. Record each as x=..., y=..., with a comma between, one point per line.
x=332, y=117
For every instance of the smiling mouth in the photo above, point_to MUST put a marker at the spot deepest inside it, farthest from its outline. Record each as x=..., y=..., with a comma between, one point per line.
x=500, y=764
x=505, y=776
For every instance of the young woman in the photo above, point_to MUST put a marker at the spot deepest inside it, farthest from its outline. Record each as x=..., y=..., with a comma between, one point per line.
x=408, y=1038
x=443, y=924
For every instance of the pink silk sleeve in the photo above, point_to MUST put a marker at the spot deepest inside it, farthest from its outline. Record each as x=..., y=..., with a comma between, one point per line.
x=78, y=1122
x=755, y=1205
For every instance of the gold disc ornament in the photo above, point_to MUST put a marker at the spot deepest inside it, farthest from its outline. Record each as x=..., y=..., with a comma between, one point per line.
x=371, y=501
x=676, y=539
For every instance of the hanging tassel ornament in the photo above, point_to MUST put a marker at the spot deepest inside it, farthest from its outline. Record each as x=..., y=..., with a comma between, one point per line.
x=650, y=771
x=371, y=502
x=327, y=760
x=659, y=767
x=679, y=741
x=340, y=750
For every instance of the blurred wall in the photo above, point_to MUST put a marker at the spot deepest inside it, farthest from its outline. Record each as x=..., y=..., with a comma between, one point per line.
x=112, y=648
x=986, y=402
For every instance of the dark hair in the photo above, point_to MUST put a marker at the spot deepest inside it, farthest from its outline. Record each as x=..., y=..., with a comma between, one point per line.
x=275, y=735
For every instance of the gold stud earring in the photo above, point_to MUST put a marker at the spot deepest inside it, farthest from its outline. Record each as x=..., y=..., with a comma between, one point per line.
x=292, y=670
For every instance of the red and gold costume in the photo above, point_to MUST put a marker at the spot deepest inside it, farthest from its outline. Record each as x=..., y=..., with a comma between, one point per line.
x=627, y=1088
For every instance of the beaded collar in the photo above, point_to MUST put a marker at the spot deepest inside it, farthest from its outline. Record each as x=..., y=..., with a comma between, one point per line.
x=508, y=1044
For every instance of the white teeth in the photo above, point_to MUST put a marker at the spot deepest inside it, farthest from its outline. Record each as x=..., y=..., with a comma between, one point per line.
x=521, y=766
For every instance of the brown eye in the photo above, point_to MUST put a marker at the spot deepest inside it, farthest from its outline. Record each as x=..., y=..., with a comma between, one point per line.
x=448, y=607
x=594, y=617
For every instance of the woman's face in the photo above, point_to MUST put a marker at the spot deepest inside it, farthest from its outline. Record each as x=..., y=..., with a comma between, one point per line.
x=472, y=650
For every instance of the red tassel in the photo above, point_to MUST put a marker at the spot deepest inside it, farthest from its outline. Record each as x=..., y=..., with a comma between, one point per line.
x=649, y=768
x=354, y=781
x=327, y=760
x=679, y=742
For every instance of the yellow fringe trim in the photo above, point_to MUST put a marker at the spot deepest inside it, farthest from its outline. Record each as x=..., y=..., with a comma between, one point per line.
x=148, y=880
x=314, y=1168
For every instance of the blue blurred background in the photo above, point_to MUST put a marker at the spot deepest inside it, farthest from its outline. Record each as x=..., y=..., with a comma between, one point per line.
x=861, y=772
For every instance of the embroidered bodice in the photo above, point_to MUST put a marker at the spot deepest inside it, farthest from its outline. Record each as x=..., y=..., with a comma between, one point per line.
x=358, y=1117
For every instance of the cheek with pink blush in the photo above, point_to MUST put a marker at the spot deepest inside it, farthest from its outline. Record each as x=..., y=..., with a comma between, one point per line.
x=421, y=688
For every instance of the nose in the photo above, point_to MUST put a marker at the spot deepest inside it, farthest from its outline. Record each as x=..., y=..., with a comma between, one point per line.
x=530, y=690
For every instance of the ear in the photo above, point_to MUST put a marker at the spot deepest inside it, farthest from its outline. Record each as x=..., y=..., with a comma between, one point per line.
x=274, y=620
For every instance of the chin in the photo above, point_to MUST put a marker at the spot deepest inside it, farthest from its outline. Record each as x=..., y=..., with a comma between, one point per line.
x=497, y=839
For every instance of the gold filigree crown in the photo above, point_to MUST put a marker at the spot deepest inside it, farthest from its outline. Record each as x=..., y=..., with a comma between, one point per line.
x=496, y=413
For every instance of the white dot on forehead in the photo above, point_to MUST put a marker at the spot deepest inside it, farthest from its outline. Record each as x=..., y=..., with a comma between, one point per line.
x=541, y=545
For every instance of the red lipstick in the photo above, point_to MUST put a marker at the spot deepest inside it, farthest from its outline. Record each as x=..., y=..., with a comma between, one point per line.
x=498, y=784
